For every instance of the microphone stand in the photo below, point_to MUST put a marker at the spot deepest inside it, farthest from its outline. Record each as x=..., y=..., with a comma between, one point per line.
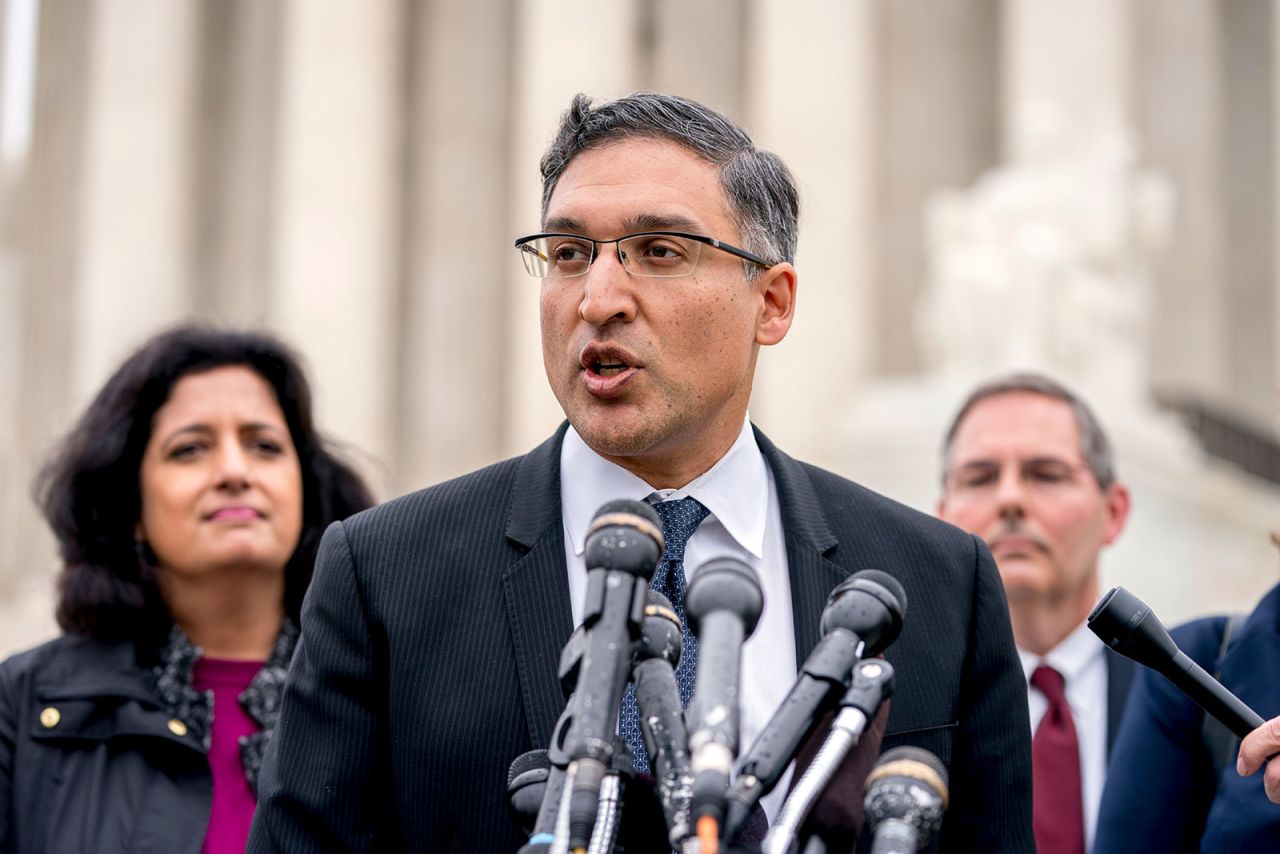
x=872, y=685
x=609, y=811
x=863, y=615
x=551, y=828
x=623, y=545
x=662, y=720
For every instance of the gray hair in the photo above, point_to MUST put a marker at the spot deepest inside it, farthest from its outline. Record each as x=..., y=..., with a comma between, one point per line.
x=761, y=193
x=1094, y=446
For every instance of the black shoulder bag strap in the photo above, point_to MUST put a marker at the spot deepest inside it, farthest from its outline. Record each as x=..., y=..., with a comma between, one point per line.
x=1221, y=743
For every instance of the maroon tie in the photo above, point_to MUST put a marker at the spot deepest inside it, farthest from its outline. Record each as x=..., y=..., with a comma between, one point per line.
x=1055, y=771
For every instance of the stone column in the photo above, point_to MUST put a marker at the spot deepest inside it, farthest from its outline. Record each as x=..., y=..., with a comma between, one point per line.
x=697, y=50
x=819, y=115
x=238, y=108
x=1249, y=154
x=16, y=112
x=335, y=211
x=453, y=329
x=1275, y=187
x=134, y=237
x=562, y=47
x=1275, y=176
x=1076, y=56
x=1177, y=50
x=46, y=230
x=938, y=125
x=103, y=237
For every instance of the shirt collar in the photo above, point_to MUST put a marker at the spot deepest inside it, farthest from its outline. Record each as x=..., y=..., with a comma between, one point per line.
x=1070, y=658
x=735, y=489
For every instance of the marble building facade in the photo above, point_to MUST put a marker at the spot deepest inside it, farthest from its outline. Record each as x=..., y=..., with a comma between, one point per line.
x=351, y=173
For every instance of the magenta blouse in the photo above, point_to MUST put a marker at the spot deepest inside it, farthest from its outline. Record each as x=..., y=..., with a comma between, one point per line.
x=233, y=800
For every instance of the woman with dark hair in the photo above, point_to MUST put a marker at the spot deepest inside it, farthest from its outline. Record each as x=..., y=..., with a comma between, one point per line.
x=188, y=503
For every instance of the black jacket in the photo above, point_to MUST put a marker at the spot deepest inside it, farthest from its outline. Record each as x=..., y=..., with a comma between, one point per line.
x=433, y=627
x=90, y=761
x=103, y=752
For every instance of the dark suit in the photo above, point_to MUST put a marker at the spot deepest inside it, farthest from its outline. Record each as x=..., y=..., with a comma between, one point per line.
x=432, y=632
x=1162, y=793
x=1119, y=682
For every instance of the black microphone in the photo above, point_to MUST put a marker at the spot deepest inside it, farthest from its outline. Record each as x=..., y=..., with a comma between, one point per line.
x=1126, y=624
x=906, y=797
x=543, y=832
x=723, y=604
x=666, y=739
x=863, y=615
x=872, y=686
x=623, y=545
x=526, y=785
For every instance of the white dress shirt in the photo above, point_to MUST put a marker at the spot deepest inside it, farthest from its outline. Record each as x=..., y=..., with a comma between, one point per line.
x=1080, y=659
x=745, y=522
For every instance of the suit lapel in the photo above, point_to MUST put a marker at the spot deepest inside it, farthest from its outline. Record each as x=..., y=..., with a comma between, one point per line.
x=536, y=585
x=1119, y=680
x=809, y=540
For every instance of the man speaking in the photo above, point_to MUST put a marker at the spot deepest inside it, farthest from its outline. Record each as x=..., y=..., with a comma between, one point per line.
x=432, y=631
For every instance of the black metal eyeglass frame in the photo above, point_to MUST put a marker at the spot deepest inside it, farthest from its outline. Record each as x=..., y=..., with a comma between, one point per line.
x=523, y=242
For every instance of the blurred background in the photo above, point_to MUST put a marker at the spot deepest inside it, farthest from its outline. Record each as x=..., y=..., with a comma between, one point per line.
x=1087, y=187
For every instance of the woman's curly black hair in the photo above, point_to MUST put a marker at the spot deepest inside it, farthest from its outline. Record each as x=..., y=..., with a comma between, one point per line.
x=90, y=493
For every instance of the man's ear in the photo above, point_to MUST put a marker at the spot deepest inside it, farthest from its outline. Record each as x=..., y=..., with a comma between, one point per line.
x=1118, y=503
x=777, y=288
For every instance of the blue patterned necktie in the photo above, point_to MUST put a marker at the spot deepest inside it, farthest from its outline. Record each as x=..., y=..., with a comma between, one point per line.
x=679, y=520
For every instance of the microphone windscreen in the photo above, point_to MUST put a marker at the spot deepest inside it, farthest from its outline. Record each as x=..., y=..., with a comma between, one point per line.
x=626, y=536
x=871, y=604
x=529, y=761
x=526, y=787
x=908, y=783
x=658, y=603
x=888, y=582
x=660, y=635
x=628, y=507
x=1125, y=623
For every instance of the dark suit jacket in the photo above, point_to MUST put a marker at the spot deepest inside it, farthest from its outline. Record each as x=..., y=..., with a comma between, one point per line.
x=1119, y=682
x=432, y=632
x=1161, y=792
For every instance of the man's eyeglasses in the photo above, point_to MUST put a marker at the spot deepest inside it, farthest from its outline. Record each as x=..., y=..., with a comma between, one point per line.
x=1038, y=474
x=651, y=253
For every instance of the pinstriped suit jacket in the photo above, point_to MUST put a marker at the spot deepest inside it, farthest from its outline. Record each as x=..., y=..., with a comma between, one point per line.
x=432, y=633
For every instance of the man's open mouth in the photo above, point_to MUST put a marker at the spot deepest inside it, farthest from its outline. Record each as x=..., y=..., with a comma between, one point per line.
x=608, y=369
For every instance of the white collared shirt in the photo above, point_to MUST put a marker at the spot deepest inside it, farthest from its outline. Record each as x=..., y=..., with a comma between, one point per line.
x=745, y=523
x=1080, y=659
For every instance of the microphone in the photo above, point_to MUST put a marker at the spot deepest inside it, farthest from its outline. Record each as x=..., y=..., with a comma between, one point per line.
x=906, y=797
x=723, y=604
x=863, y=615
x=662, y=714
x=1126, y=624
x=609, y=806
x=623, y=545
x=872, y=686
x=526, y=786
x=552, y=816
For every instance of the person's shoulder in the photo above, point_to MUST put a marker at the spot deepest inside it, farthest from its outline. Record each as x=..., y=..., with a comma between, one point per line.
x=481, y=499
x=63, y=653
x=37, y=656
x=489, y=484
x=1201, y=638
x=850, y=505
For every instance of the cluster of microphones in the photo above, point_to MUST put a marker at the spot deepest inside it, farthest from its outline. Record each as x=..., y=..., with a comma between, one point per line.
x=580, y=796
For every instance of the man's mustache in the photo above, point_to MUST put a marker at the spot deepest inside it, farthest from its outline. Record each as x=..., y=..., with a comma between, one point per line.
x=1012, y=530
